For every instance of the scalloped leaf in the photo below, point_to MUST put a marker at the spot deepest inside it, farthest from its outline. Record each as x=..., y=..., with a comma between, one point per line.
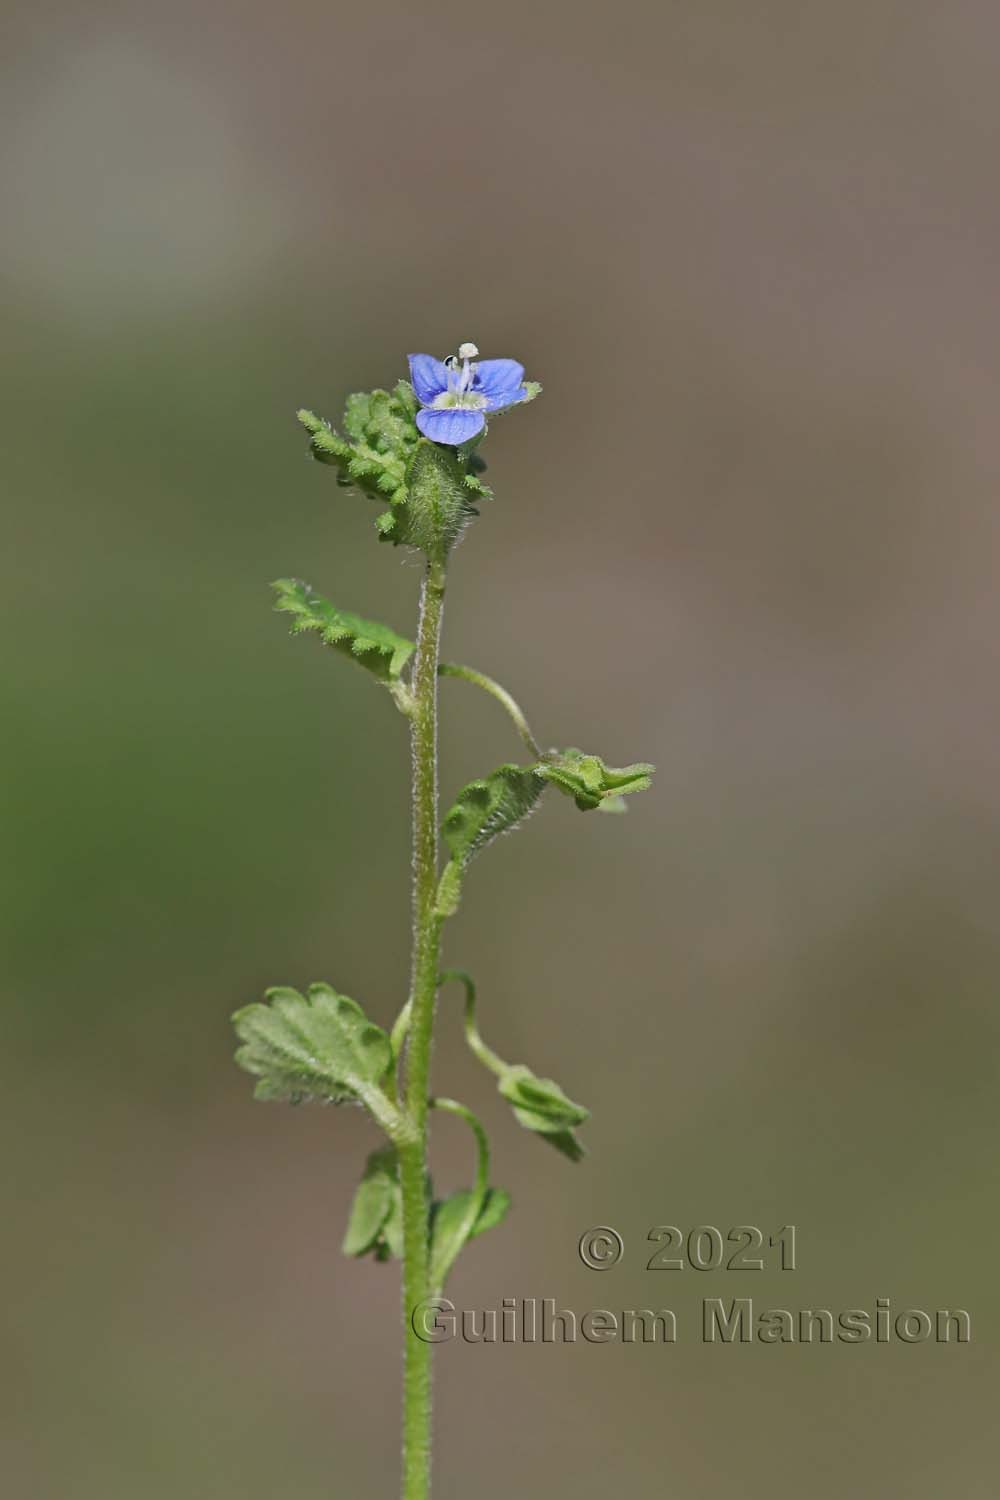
x=482, y=811
x=590, y=782
x=376, y=1221
x=375, y=646
x=321, y=1046
x=449, y=1220
x=540, y=1105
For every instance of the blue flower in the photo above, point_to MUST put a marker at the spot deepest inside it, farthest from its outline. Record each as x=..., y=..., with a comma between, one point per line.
x=455, y=395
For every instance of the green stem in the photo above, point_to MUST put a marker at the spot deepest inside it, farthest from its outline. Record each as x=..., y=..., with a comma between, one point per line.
x=423, y=992
x=480, y=679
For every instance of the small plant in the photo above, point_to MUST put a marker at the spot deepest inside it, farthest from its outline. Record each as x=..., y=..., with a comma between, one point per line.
x=415, y=449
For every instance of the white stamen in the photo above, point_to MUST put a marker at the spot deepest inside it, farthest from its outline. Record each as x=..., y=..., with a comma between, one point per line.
x=468, y=351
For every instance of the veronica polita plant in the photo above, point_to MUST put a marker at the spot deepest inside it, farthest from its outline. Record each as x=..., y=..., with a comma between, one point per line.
x=416, y=450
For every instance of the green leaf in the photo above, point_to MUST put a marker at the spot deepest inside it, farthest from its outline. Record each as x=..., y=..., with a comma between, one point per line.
x=483, y=810
x=430, y=490
x=590, y=782
x=540, y=1105
x=322, y=1047
x=375, y=646
x=449, y=1225
x=381, y=436
x=376, y=1221
x=493, y=1212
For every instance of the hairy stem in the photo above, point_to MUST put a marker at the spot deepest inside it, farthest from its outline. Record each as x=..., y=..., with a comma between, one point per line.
x=480, y=679
x=423, y=992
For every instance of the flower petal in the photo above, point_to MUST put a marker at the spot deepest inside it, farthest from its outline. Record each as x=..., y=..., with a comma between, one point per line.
x=500, y=400
x=496, y=375
x=453, y=425
x=429, y=377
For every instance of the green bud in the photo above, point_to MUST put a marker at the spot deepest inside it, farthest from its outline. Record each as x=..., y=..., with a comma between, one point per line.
x=540, y=1105
x=590, y=782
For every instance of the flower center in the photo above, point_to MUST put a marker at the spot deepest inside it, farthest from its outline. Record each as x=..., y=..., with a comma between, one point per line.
x=461, y=376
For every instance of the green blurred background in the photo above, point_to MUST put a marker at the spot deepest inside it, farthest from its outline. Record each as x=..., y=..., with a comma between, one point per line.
x=749, y=533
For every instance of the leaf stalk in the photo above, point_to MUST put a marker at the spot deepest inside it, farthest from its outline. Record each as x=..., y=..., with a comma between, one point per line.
x=510, y=703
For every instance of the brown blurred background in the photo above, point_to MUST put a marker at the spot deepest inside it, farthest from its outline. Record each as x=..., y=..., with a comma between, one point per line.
x=749, y=533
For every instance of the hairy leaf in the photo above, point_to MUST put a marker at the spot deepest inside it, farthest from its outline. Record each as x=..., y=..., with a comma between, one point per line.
x=590, y=782
x=321, y=1047
x=376, y=1221
x=375, y=646
x=484, y=809
x=540, y=1105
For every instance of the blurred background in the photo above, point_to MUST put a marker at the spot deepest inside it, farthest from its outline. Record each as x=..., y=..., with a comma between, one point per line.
x=749, y=533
